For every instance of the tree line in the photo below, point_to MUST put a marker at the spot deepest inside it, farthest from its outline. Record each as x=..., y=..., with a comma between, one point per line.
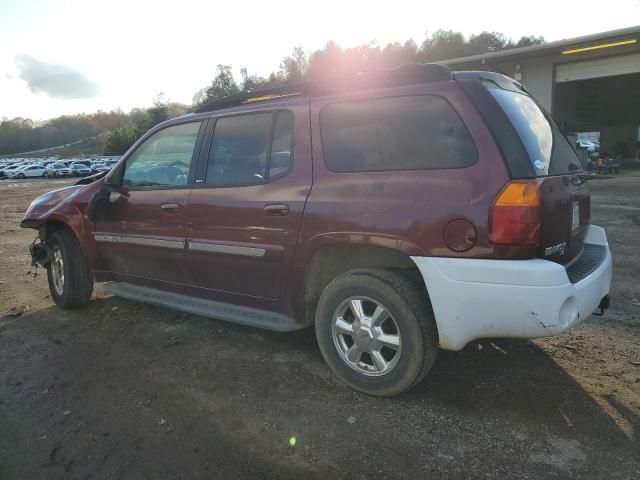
x=117, y=131
x=114, y=131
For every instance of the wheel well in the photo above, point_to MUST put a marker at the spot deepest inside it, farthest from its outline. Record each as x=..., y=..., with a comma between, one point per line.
x=329, y=262
x=50, y=226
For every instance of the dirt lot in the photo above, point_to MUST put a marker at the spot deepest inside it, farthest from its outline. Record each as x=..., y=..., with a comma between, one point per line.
x=124, y=390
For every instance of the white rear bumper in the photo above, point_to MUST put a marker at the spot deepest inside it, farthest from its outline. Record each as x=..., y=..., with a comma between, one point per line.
x=477, y=298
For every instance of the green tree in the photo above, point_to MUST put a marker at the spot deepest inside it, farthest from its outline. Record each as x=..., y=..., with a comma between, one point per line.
x=251, y=83
x=294, y=66
x=487, y=42
x=159, y=112
x=200, y=97
x=443, y=44
x=223, y=84
x=528, y=41
x=121, y=139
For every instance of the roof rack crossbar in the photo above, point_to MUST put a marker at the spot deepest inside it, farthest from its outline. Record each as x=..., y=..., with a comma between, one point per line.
x=407, y=74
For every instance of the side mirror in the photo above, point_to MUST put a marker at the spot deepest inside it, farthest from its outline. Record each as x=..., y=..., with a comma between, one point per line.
x=98, y=203
x=112, y=182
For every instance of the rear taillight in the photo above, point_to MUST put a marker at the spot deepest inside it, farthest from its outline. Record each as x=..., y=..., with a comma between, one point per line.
x=515, y=214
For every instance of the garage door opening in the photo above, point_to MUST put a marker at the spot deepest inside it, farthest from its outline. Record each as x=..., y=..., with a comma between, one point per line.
x=609, y=105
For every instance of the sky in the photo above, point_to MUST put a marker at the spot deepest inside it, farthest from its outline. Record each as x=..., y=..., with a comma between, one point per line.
x=71, y=56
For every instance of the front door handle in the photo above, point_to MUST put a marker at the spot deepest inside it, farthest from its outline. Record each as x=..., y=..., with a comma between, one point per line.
x=276, y=209
x=170, y=207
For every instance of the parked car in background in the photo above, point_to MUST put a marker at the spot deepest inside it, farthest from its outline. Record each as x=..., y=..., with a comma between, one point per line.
x=397, y=212
x=6, y=170
x=80, y=169
x=589, y=146
x=29, y=171
x=58, y=169
x=98, y=167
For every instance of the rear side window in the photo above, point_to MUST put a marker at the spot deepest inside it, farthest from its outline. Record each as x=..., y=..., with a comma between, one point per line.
x=250, y=149
x=395, y=133
x=549, y=152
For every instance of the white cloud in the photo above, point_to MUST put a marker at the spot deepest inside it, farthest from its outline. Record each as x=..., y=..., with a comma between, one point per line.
x=54, y=80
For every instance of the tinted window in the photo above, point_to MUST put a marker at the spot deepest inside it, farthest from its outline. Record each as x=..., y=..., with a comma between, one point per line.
x=244, y=151
x=395, y=133
x=164, y=158
x=548, y=150
x=282, y=145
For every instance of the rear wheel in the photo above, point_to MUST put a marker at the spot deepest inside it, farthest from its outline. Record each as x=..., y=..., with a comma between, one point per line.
x=20, y=175
x=376, y=331
x=70, y=282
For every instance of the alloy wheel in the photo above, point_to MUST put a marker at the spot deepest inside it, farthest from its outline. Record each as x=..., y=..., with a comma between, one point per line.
x=366, y=336
x=57, y=270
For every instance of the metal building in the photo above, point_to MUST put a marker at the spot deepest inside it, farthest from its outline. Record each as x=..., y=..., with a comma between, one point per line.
x=589, y=84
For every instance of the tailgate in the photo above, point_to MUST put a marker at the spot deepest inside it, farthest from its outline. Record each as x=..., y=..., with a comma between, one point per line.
x=565, y=213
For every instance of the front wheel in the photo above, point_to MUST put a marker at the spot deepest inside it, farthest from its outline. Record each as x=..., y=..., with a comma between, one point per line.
x=21, y=175
x=70, y=282
x=376, y=331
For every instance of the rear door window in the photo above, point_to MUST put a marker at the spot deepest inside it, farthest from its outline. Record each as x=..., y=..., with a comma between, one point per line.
x=548, y=150
x=250, y=149
x=395, y=133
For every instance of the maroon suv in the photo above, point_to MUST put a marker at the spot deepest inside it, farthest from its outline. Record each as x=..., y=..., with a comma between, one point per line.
x=397, y=211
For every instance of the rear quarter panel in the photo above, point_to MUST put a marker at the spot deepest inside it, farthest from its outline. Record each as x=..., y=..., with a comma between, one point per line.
x=406, y=210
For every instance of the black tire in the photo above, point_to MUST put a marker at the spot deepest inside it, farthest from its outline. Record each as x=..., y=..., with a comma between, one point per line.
x=21, y=176
x=78, y=283
x=410, y=309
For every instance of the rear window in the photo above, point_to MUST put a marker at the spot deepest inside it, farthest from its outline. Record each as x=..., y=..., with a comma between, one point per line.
x=395, y=133
x=548, y=150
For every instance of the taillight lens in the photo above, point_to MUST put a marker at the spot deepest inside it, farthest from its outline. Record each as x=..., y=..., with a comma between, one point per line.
x=515, y=214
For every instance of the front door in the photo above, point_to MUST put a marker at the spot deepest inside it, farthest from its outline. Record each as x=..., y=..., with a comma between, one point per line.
x=246, y=206
x=141, y=236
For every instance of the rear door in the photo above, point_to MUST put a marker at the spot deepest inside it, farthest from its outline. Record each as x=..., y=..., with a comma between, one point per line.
x=246, y=207
x=142, y=234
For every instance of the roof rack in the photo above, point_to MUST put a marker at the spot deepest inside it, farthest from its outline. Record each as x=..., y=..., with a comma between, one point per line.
x=407, y=74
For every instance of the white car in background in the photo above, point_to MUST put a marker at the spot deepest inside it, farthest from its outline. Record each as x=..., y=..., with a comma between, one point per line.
x=6, y=170
x=586, y=144
x=58, y=169
x=29, y=171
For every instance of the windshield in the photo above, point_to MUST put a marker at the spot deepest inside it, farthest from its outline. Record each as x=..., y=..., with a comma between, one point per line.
x=549, y=152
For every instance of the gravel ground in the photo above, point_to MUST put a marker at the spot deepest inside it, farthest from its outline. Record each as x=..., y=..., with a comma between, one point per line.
x=124, y=390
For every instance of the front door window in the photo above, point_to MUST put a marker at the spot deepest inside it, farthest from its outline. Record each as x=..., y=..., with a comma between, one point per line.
x=164, y=159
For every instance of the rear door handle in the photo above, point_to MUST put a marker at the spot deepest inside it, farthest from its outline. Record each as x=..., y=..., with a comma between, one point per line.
x=276, y=209
x=170, y=207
